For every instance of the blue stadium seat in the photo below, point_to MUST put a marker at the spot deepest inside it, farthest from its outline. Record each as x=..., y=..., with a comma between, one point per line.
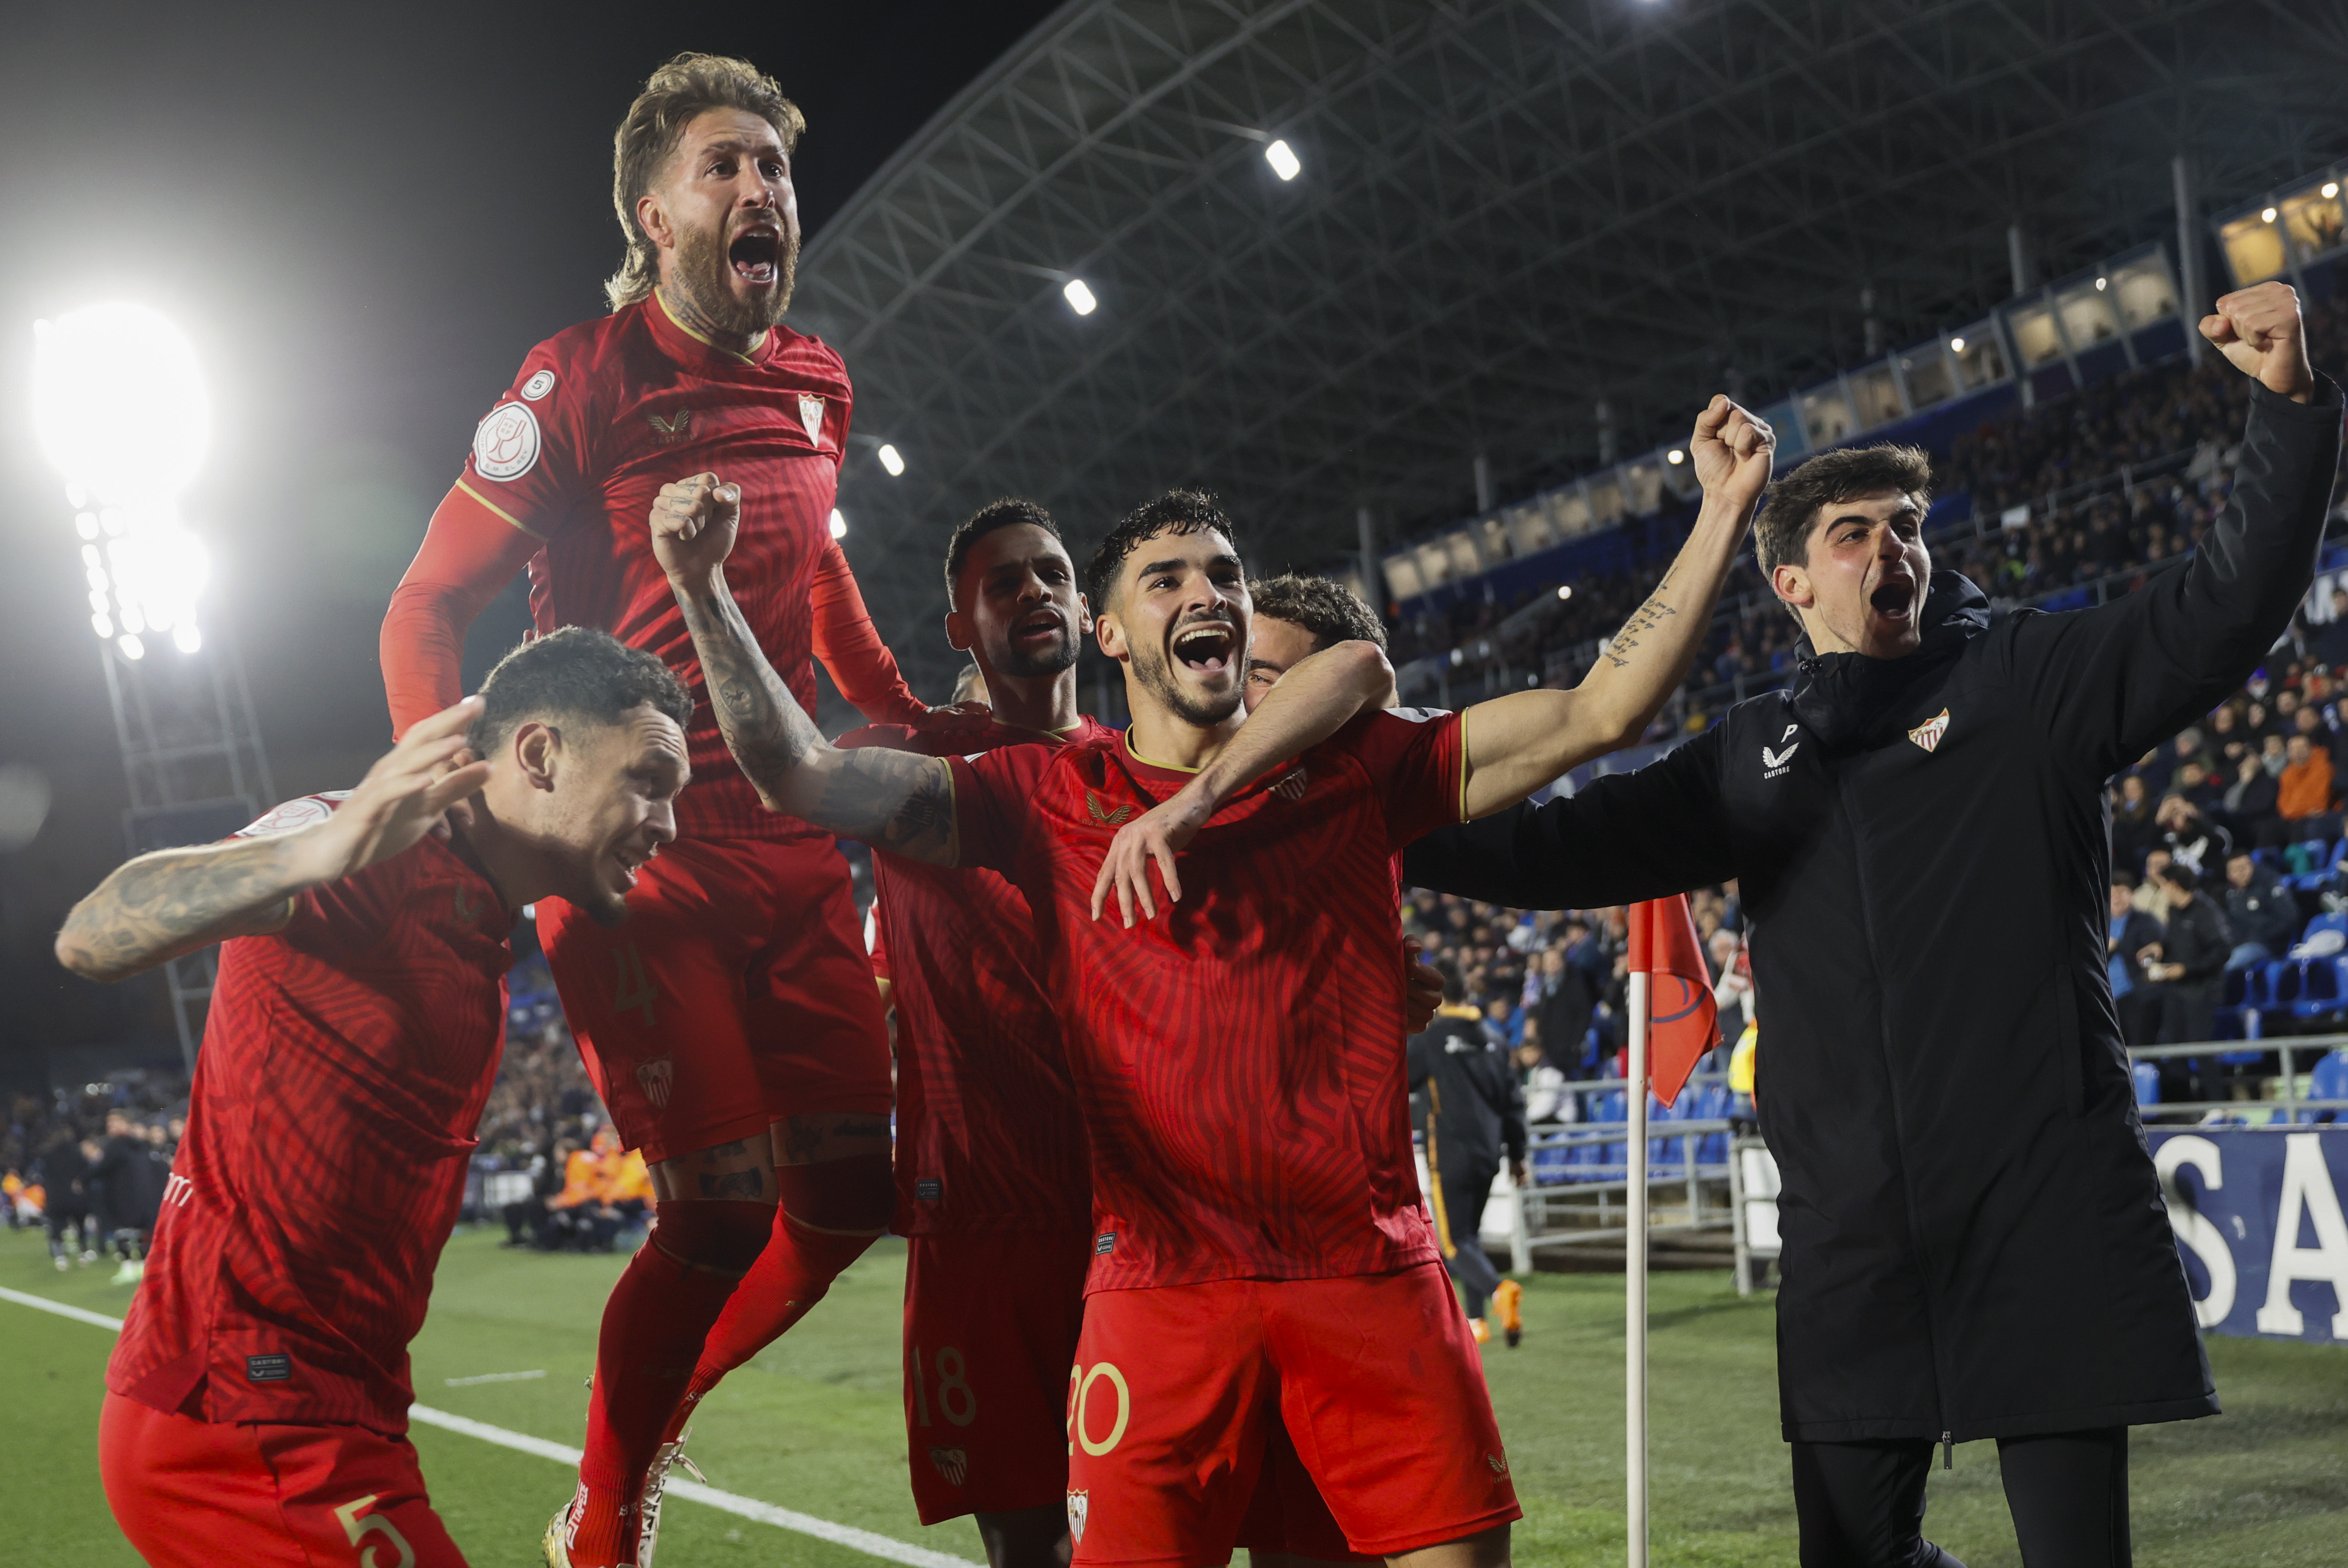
x=2148, y=1084
x=2322, y=993
x=2328, y=1081
x=2328, y=920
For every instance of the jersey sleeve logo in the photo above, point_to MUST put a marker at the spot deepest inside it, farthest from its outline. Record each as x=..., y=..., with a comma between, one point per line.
x=295, y=815
x=537, y=386
x=505, y=445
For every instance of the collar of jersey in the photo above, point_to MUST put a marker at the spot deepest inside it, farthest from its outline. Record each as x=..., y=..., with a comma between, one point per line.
x=1153, y=762
x=661, y=300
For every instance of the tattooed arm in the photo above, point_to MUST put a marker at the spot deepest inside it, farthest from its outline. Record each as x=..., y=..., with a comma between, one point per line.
x=172, y=903
x=889, y=799
x=1518, y=743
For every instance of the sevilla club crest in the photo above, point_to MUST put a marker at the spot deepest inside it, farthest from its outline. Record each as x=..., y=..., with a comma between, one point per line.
x=811, y=415
x=1927, y=734
x=1080, y=1507
x=656, y=1079
x=953, y=1463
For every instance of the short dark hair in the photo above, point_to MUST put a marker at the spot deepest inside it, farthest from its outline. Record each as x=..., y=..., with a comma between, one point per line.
x=1791, y=507
x=577, y=673
x=1331, y=611
x=2121, y=879
x=2177, y=874
x=1178, y=512
x=1008, y=512
x=1454, y=988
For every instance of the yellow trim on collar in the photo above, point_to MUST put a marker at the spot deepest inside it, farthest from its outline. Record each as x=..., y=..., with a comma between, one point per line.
x=755, y=343
x=1153, y=762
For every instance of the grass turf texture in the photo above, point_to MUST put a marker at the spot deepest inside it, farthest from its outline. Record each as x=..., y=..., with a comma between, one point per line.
x=816, y=1425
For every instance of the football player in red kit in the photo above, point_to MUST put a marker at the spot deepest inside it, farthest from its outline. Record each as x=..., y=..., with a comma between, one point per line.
x=1260, y=1244
x=733, y=1028
x=258, y=1398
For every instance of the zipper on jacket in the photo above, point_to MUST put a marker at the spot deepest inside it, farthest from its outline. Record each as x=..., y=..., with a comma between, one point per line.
x=1899, y=1128
x=1948, y=1453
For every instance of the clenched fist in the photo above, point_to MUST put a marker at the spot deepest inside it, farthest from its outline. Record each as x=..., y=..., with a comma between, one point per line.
x=2257, y=330
x=1732, y=450
x=693, y=523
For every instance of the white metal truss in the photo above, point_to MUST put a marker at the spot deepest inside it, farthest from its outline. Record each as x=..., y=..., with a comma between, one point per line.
x=1511, y=212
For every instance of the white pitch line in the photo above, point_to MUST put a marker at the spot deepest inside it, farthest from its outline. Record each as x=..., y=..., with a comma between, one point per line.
x=865, y=1540
x=493, y=1378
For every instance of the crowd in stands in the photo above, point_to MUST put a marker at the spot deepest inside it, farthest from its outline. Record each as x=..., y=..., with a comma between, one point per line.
x=2090, y=493
x=580, y=1200
x=90, y=1166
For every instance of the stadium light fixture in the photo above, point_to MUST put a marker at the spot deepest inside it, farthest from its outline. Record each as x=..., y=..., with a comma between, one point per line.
x=2267, y=216
x=891, y=460
x=839, y=524
x=2102, y=284
x=2331, y=190
x=1956, y=346
x=1564, y=590
x=1675, y=457
x=122, y=413
x=1283, y=160
x=1080, y=298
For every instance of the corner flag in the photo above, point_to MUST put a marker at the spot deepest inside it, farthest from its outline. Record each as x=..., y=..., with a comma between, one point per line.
x=1683, y=1021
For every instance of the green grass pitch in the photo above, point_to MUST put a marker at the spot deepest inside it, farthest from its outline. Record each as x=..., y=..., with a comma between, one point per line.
x=815, y=1425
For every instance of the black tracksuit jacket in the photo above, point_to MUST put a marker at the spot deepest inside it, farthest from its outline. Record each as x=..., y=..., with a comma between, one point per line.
x=1974, y=1242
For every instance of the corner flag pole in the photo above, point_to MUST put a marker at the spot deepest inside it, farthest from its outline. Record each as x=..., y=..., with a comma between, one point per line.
x=1634, y=1267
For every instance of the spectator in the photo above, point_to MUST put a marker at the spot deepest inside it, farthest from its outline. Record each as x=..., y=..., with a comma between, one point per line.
x=529, y=1220
x=2133, y=829
x=2259, y=914
x=2249, y=802
x=2151, y=896
x=1547, y=1101
x=2132, y=933
x=1562, y=1007
x=2189, y=835
x=2303, y=796
x=2187, y=964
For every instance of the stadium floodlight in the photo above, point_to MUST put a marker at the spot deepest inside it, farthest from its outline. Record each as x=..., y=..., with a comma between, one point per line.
x=1283, y=160
x=2267, y=216
x=1956, y=346
x=2331, y=190
x=839, y=524
x=893, y=459
x=1565, y=591
x=1675, y=457
x=1080, y=298
x=121, y=413
x=2102, y=284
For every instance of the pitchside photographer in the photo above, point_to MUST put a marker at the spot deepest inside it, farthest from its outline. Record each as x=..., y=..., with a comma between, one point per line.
x=1975, y=1245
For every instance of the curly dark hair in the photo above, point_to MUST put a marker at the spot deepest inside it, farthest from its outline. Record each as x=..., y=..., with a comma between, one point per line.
x=1178, y=512
x=1331, y=611
x=1790, y=509
x=1007, y=512
x=577, y=673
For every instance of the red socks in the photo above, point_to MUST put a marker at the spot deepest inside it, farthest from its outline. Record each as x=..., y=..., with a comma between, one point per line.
x=829, y=1215
x=653, y=1325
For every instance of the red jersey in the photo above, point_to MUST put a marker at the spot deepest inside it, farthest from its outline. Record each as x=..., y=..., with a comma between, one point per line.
x=988, y=1134
x=1239, y=1061
x=599, y=416
x=344, y=1070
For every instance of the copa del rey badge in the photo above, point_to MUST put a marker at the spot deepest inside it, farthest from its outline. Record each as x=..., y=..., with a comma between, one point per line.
x=811, y=415
x=1927, y=734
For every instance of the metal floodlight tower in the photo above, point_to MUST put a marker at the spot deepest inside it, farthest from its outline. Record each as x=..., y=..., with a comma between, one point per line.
x=123, y=415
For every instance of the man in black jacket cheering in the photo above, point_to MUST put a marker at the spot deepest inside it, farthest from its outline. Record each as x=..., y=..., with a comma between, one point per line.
x=1974, y=1242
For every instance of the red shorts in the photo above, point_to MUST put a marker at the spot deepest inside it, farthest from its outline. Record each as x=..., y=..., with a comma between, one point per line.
x=196, y=1494
x=991, y=1324
x=737, y=992
x=1376, y=1379
x=1288, y=1514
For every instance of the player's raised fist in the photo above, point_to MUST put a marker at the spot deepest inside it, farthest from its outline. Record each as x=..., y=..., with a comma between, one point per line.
x=2257, y=330
x=693, y=523
x=1732, y=450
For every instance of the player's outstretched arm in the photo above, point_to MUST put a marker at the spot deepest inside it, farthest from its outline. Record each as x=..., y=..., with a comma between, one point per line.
x=1518, y=743
x=175, y=902
x=889, y=799
x=1311, y=703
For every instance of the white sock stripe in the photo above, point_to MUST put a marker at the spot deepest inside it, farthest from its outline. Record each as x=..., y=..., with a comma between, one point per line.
x=865, y=1540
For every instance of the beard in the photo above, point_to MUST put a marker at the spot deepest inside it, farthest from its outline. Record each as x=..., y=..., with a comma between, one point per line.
x=607, y=910
x=1009, y=661
x=701, y=274
x=1158, y=679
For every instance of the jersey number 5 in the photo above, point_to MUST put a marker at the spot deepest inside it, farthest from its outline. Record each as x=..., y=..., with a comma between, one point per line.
x=955, y=1400
x=358, y=1529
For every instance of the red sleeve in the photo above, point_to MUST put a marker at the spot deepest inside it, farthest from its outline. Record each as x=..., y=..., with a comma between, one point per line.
x=468, y=553
x=1417, y=765
x=991, y=793
x=880, y=954
x=860, y=663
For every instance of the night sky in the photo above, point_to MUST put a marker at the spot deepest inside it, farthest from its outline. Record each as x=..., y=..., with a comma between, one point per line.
x=364, y=217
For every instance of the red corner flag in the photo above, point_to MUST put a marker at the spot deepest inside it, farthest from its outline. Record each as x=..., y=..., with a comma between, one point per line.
x=1683, y=1022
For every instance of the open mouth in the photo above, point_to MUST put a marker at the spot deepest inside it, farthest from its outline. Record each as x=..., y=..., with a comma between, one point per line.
x=1894, y=598
x=1042, y=626
x=630, y=866
x=1206, y=646
x=755, y=255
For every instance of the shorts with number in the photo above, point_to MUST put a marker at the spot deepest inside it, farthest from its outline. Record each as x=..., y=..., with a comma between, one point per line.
x=737, y=992
x=991, y=1324
x=198, y=1494
x=1375, y=1378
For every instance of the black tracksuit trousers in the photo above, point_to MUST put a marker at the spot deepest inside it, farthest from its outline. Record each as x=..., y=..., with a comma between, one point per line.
x=1861, y=1505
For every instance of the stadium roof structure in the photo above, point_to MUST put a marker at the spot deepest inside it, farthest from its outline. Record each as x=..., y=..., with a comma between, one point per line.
x=1536, y=233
